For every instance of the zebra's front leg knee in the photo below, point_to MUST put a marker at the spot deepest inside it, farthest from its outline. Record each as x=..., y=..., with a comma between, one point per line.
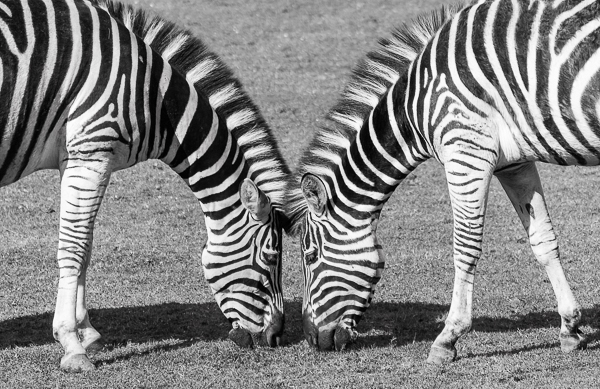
x=443, y=350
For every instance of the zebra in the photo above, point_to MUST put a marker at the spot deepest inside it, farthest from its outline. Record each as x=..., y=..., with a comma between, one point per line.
x=487, y=89
x=92, y=87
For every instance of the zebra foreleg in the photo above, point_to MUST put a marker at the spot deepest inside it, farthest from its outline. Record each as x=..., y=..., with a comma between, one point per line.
x=468, y=175
x=523, y=186
x=82, y=189
x=88, y=336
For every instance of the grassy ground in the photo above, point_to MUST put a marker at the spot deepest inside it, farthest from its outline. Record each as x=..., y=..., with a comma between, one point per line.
x=148, y=295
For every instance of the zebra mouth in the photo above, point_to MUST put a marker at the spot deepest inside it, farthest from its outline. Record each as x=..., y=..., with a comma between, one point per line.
x=336, y=338
x=246, y=339
x=271, y=336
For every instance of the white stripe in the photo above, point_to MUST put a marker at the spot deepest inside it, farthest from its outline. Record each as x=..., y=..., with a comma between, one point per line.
x=202, y=70
x=174, y=46
x=375, y=139
x=77, y=124
x=556, y=65
x=153, y=27
x=238, y=119
x=580, y=84
x=23, y=63
x=396, y=130
x=163, y=85
x=223, y=95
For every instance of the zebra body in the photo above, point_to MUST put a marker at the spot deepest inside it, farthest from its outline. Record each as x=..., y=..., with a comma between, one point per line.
x=93, y=87
x=486, y=90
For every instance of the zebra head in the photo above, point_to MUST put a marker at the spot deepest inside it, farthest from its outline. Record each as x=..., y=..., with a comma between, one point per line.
x=341, y=262
x=242, y=263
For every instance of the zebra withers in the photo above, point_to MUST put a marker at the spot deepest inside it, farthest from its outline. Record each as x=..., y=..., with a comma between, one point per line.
x=91, y=87
x=486, y=90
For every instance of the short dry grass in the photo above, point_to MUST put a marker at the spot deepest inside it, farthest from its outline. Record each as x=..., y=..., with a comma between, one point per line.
x=148, y=295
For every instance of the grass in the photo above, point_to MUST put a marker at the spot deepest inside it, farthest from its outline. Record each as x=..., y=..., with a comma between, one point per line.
x=160, y=322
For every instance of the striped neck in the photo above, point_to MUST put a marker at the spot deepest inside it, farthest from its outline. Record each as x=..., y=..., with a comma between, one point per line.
x=385, y=151
x=249, y=138
x=368, y=146
x=206, y=155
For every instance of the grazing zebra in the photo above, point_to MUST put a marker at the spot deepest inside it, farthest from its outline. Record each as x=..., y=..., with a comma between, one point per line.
x=486, y=90
x=91, y=87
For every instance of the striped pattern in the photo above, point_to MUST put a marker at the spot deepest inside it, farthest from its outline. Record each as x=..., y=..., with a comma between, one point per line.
x=93, y=87
x=485, y=90
x=228, y=265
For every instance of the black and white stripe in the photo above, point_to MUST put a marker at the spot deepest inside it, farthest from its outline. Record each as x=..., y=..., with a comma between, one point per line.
x=486, y=90
x=93, y=87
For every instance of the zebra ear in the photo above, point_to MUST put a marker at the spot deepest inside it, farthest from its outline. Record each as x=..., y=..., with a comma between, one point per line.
x=315, y=193
x=254, y=200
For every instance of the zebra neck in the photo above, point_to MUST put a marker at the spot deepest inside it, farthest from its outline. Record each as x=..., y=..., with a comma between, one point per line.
x=386, y=150
x=204, y=153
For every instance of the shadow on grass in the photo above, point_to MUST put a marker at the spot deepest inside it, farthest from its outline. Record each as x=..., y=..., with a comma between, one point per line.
x=188, y=323
x=119, y=326
x=399, y=324
x=385, y=324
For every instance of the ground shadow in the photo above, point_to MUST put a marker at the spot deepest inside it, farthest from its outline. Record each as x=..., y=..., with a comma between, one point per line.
x=384, y=324
x=119, y=326
x=399, y=324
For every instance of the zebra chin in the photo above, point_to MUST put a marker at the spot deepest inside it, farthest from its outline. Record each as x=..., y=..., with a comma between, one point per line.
x=271, y=336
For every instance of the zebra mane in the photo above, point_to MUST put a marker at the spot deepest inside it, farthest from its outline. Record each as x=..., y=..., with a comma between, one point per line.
x=369, y=81
x=189, y=56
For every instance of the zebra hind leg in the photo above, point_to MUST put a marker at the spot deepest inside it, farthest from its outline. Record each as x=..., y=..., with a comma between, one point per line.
x=523, y=186
x=82, y=189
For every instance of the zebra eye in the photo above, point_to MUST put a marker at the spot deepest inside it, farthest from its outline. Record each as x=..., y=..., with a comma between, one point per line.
x=310, y=257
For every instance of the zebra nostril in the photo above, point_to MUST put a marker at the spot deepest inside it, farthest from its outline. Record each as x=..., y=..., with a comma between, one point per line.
x=310, y=331
x=270, y=259
x=310, y=258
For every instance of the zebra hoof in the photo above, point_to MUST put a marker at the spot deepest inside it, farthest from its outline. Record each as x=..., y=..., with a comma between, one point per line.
x=241, y=337
x=441, y=355
x=574, y=341
x=94, y=347
x=76, y=363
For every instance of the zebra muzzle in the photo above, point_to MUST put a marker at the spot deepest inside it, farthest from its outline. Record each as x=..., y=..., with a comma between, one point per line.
x=336, y=338
x=271, y=336
x=274, y=331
